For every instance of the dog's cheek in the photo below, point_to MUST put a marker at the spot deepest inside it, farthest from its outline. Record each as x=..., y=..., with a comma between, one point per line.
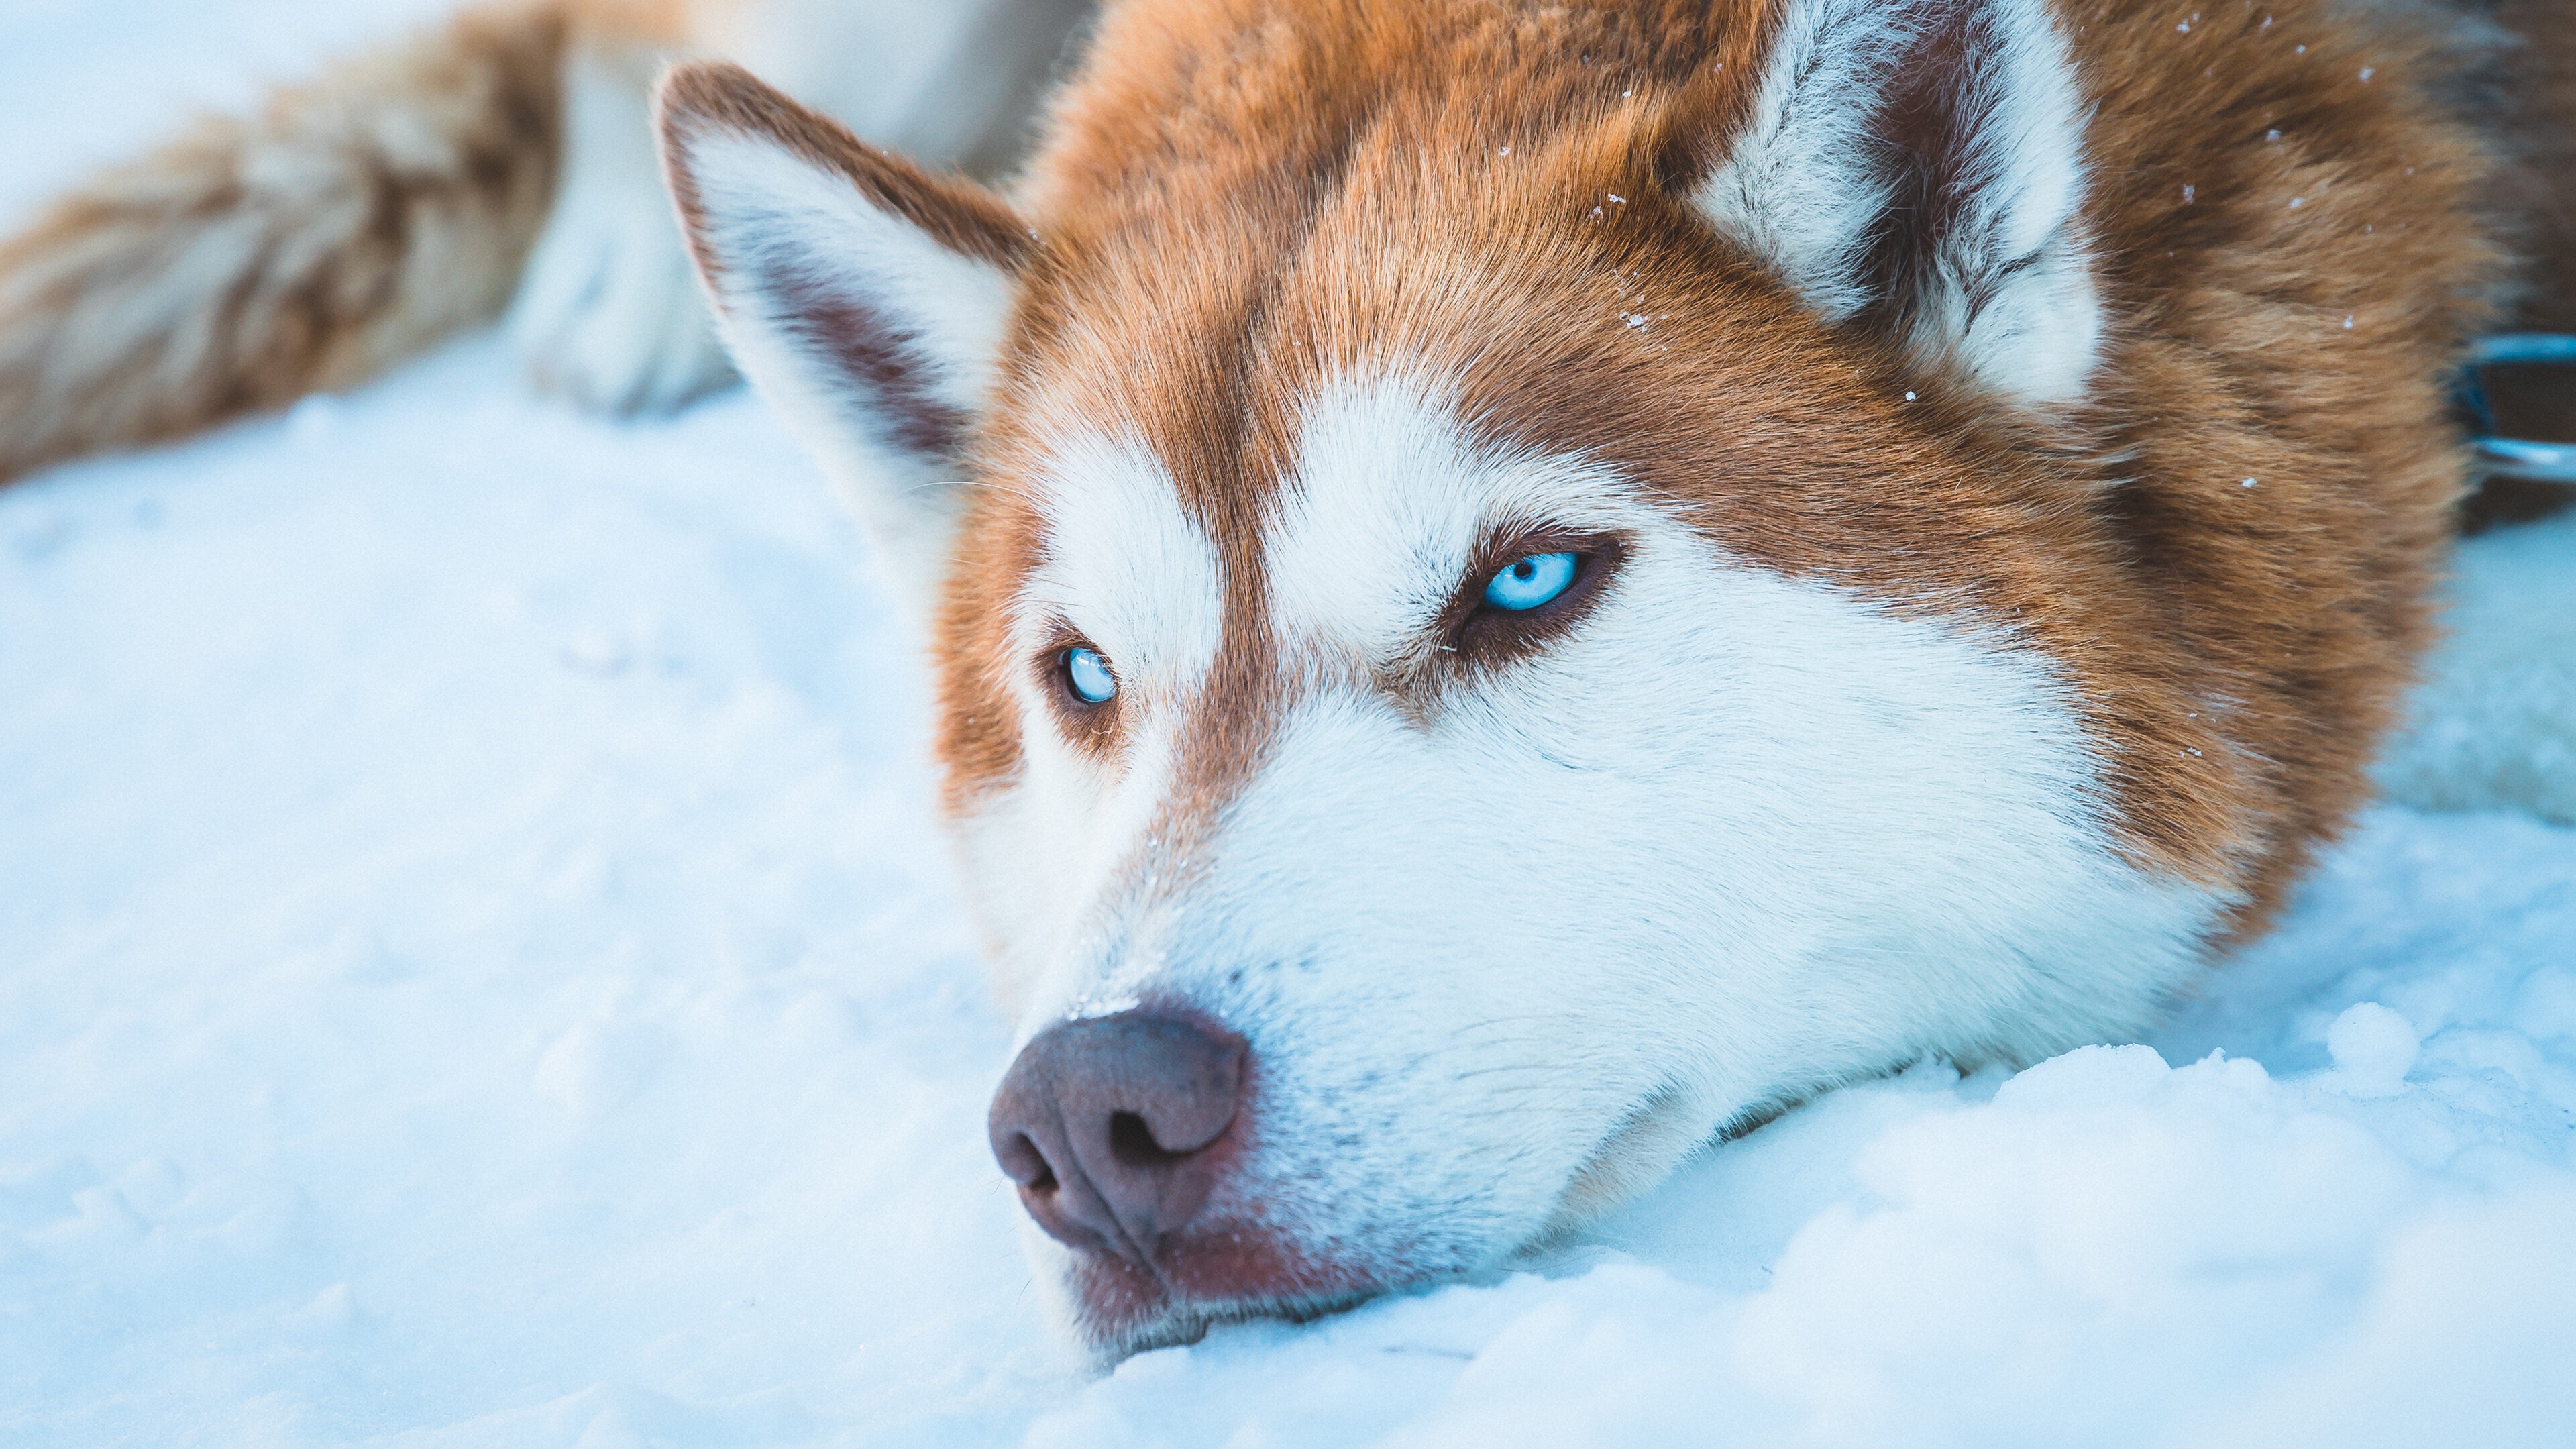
x=1749, y=837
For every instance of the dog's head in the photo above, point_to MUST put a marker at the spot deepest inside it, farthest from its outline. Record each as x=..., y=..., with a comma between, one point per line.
x=1493, y=621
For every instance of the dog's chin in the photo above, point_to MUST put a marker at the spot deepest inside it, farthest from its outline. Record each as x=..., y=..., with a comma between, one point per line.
x=1120, y=1308
x=1113, y=1338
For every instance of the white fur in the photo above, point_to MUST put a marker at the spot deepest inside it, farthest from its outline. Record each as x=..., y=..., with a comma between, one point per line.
x=770, y=217
x=609, y=312
x=941, y=81
x=1125, y=565
x=1371, y=576
x=1736, y=838
x=1128, y=569
x=1801, y=188
x=2012, y=304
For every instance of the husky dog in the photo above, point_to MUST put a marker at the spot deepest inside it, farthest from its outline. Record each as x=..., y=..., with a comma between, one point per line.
x=1518, y=586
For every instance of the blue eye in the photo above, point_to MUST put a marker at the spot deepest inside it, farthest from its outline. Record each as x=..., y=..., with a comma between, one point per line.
x=1530, y=582
x=1089, y=677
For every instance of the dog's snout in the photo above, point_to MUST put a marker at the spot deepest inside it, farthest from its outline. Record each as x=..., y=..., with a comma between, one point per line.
x=1107, y=1123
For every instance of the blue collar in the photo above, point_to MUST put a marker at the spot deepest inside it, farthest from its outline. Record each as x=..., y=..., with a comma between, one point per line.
x=2515, y=457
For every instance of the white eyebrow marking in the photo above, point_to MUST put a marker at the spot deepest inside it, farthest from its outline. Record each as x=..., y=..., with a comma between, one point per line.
x=1125, y=564
x=1386, y=508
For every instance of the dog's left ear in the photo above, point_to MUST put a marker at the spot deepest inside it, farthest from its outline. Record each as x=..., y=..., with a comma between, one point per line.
x=864, y=297
x=1915, y=168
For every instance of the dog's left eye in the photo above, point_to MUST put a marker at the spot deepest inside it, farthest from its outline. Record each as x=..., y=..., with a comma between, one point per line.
x=1087, y=675
x=1526, y=583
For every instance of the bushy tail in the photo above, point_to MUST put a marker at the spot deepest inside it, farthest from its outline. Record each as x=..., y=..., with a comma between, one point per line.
x=356, y=221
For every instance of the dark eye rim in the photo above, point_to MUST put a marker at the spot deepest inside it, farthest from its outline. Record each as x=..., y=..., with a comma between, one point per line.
x=1477, y=632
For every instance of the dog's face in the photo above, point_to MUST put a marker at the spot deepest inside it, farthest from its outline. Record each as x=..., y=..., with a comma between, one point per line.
x=1510, y=903
x=1457, y=691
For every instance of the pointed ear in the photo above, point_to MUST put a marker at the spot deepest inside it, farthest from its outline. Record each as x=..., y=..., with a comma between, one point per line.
x=865, y=298
x=1916, y=168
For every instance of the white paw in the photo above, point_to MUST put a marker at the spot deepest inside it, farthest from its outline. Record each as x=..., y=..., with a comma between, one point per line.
x=2494, y=723
x=609, y=313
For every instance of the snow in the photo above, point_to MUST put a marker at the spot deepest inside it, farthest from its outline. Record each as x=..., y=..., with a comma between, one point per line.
x=477, y=968
x=2498, y=715
x=85, y=83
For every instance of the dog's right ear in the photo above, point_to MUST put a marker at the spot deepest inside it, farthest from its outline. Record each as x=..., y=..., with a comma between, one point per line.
x=864, y=297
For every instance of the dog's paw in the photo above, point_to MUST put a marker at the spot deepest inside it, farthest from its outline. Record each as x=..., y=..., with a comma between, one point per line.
x=2494, y=723
x=610, y=315
x=609, y=312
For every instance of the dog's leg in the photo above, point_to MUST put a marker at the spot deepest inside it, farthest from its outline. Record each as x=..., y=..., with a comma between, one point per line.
x=949, y=83
x=2494, y=722
x=609, y=312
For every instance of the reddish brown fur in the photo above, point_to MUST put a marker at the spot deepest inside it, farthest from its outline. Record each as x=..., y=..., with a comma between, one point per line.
x=957, y=214
x=1243, y=198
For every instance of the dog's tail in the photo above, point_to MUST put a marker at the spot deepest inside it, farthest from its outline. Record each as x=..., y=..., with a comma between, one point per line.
x=355, y=221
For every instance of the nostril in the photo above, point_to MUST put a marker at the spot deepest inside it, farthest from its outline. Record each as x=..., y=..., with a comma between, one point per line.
x=1132, y=1142
x=1025, y=1164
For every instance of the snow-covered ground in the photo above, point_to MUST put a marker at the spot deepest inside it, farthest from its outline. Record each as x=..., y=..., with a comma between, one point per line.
x=476, y=968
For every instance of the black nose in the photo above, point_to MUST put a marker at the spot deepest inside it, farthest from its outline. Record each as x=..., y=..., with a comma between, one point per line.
x=1105, y=1125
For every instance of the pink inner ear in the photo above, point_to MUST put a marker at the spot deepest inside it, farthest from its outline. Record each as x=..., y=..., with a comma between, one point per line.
x=1916, y=169
x=880, y=359
x=863, y=294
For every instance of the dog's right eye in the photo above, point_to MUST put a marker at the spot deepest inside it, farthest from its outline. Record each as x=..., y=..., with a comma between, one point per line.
x=1087, y=676
x=1528, y=590
x=1529, y=582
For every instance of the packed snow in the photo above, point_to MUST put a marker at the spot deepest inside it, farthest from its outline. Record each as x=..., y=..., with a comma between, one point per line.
x=477, y=967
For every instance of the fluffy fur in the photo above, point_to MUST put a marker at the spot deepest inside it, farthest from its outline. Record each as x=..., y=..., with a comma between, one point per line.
x=397, y=199
x=356, y=221
x=1866, y=106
